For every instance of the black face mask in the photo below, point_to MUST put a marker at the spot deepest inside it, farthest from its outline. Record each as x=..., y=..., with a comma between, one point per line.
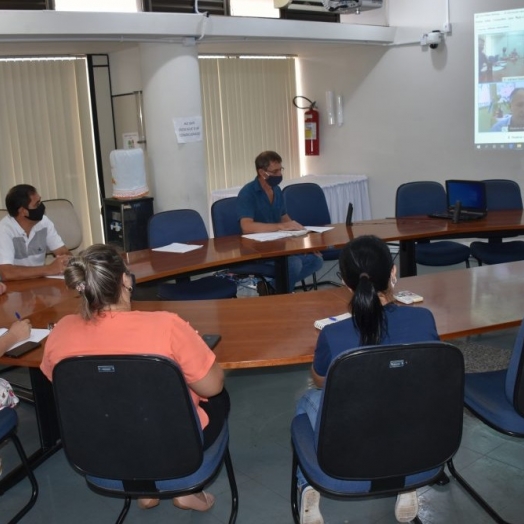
x=36, y=214
x=273, y=180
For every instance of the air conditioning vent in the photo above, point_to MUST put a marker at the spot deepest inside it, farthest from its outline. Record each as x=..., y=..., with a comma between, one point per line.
x=213, y=7
x=329, y=6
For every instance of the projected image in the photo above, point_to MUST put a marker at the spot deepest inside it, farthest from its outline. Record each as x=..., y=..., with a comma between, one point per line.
x=500, y=56
x=499, y=79
x=500, y=107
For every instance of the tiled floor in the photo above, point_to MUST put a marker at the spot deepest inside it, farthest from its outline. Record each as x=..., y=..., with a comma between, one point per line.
x=262, y=407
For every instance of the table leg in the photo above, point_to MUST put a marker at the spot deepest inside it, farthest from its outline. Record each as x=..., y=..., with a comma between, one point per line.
x=281, y=275
x=408, y=264
x=45, y=409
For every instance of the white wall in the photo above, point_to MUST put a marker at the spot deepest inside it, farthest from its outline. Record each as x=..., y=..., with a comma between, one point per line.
x=409, y=113
x=408, y=110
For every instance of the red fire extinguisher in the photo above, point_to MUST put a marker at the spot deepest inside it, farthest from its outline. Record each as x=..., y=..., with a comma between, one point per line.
x=311, y=127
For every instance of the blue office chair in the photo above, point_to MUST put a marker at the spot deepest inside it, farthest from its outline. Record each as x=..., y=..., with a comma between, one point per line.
x=225, y=222
x=186, y=226
x=500, y=195
x=8, y=424
x=306, y=203
x=389, y=420
x=497, y=398
x=129, y=426
x=423, y=198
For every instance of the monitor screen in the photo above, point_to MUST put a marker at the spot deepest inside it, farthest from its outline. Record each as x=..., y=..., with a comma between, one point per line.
x=471, y=193
x=499, y=79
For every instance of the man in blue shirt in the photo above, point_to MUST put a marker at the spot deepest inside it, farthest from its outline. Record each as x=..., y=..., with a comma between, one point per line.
x=260, y=209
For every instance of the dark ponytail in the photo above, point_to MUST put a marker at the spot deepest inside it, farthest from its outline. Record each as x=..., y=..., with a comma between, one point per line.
x=365, y=265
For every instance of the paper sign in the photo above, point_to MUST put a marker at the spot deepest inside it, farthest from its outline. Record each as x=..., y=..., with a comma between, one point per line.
x=130, y=140
x=188, y=129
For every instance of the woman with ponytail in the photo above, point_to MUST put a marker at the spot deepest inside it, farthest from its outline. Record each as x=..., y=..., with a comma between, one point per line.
x=367, y=269
x=107, y=325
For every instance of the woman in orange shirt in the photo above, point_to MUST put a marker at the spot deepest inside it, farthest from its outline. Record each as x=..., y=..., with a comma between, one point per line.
x=107, y=325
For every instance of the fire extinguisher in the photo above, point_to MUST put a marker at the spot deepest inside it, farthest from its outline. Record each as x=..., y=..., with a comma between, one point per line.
x=311, y=127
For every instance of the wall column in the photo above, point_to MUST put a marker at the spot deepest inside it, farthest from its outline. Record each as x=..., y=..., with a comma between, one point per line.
x=171, y=89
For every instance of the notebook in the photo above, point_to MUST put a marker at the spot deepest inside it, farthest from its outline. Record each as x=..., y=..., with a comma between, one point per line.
x=323, y=322
x=21, y=348
x=472, y=197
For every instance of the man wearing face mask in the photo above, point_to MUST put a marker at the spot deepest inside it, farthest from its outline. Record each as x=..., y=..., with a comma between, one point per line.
x=26, y=235
x=260, y=209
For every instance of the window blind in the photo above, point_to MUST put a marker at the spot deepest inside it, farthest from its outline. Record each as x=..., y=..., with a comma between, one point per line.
x=46, y=134
x=247, y=106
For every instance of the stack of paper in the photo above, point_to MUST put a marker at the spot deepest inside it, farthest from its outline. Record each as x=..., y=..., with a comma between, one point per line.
x=275, y=235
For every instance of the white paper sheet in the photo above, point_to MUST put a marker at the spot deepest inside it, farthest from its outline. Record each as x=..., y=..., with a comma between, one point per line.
x=177, y=248
x=318, y=229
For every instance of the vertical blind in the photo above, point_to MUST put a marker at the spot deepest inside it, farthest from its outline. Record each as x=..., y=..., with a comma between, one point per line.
x=46, y=137
x=247, y=106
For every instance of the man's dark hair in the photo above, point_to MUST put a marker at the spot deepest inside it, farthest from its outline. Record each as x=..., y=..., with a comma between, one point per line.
x=514, y=92
x=265, y=158
x=18, y=196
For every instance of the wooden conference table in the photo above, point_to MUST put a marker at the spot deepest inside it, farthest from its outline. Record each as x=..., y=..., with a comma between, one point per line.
x=268, y=331
x=278, y=330
x=224, y=252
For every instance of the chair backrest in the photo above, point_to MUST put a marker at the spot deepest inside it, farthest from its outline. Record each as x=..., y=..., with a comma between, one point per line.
x=224, y=217
x=515, y=374
x=178, y=225
x=420, y=198
x=391, y=411
x=63, y=215
x=127, y=418
x=503, y=194
x=306, y=203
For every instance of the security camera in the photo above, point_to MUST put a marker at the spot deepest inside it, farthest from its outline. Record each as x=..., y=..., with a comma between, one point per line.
x=434, y=38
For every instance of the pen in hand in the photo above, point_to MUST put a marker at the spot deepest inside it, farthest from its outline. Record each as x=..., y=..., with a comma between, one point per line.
x=17, y=315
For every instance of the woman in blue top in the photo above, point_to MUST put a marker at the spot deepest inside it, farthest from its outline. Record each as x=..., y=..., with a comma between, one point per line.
x=368, y=271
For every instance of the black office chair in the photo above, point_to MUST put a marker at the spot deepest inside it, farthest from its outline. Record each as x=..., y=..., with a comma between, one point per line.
x=500, y=195
x=306, y=203
x=8, y=424
x=390, y=419
x=423, y=198
x=186, y=226
x=225, y=222
x=497, y=398
x=129, y=426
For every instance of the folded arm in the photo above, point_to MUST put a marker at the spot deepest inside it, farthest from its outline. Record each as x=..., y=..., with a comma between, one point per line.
x=12, y=272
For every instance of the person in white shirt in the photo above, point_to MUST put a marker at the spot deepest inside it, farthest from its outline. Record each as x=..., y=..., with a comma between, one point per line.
x=26, y=236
